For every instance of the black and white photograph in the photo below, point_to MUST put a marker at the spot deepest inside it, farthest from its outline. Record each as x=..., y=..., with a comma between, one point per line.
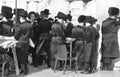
x=59, y=38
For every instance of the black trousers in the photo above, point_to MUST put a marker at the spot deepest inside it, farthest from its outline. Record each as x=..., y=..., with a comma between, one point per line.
x=22, y=57
x=33, y=52
x=94, y=54
x=44, y=49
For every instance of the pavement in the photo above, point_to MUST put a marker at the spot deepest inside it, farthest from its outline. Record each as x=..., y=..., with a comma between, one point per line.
x=43, y=71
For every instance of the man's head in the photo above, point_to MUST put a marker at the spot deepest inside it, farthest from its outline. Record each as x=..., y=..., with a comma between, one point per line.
x=45, y=13
x=22, y=16
x=32, y=15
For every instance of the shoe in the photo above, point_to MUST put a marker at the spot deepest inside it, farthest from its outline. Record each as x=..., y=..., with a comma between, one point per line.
x=85, y=72
x=93, y=70
x=22, y=71
x=35, y=66
x=48, y=66
x=59, y=68
x=81, y=68
x=25, y=73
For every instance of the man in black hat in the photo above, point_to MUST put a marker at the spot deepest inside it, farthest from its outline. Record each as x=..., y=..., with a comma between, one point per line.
x=6, y=22
x=110, y=48
x=17, y=12
x=22, y=35
x=44, y=26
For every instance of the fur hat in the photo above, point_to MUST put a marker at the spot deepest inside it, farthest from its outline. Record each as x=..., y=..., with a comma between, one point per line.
x=81, y=18
x=61, y=15
x=6, y=12
x=113, y=11
x=90, y=19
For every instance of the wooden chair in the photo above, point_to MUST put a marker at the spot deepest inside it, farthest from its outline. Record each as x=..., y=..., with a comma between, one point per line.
x=69, y=58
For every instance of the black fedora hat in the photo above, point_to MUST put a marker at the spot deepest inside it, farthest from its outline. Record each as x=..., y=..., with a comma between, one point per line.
x=61, y=15
x=46, y=11
x=23, y=13
x=6, y=9
x=18, y=10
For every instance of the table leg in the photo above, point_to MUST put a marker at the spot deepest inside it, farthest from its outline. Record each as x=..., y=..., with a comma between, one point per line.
x=15, y=59
x=70, y=54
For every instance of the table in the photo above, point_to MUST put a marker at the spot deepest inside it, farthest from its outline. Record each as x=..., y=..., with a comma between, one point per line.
x=10, y=42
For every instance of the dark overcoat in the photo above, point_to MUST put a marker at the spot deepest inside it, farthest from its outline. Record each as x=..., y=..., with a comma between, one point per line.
x=22, y=35
x=110, y=46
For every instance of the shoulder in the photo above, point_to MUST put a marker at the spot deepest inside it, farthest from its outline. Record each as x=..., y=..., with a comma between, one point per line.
x=56, y=25
x=26, y=25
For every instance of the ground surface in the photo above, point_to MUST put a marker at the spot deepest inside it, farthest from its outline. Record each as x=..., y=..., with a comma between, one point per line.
x=45, y=72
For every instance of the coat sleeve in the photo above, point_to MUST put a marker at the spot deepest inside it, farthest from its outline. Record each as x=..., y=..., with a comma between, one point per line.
x=17, y=32
x=1, y=28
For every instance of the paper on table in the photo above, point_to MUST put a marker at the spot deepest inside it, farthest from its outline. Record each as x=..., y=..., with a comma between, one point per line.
x=5, y=44
x=70, y=39
x=7, y=38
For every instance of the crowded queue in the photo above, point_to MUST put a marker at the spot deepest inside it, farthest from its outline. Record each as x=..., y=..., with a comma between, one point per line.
x=49, y=38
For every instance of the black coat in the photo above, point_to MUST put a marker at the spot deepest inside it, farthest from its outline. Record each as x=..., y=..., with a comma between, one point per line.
x=44, y=26
x=22, y=35
x=110, y=46
x=68, y=31
x=5, y=28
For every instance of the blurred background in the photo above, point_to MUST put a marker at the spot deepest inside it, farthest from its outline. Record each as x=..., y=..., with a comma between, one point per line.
x=96, y=8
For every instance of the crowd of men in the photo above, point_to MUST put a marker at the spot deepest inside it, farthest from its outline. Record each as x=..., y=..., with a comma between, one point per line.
x=49, y=38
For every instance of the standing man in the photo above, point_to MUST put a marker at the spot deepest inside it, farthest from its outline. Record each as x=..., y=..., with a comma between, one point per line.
x=44, y=26
x=110, y=48
x=6, y=21
x=34, y=37
x=22, y=35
